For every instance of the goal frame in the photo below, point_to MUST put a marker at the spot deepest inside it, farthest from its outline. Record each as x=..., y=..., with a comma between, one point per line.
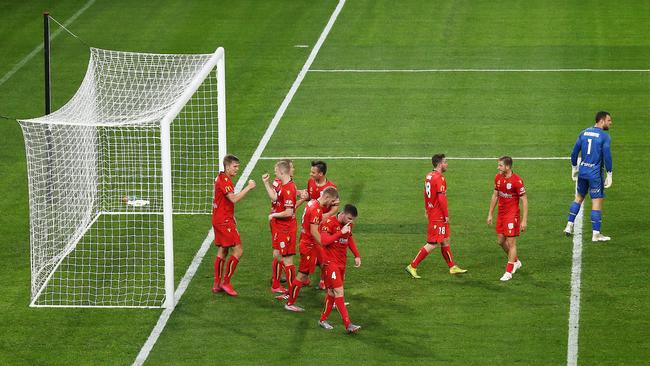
x=215, y=63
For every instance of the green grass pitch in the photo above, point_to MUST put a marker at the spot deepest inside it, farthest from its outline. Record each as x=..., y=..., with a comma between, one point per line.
x=441, y=319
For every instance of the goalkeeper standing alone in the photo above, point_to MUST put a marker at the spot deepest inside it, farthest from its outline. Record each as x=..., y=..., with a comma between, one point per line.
x=593, y=145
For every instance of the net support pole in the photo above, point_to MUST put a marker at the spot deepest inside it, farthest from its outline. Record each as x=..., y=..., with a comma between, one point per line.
x=46, y=63
x=166, y=162
x=221, y=113
x=48, y=102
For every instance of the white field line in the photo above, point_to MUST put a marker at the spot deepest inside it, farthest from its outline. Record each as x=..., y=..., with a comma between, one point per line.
x=387, y=71
x=574, y=307
x=164, y=317
x=405, y=158
x=39, y=48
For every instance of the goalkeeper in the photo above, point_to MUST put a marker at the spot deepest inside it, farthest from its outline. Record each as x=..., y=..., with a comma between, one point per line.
x=593, y=145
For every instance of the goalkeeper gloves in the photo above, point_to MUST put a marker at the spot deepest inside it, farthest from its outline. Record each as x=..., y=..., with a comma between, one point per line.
x=608, y=180
x=574, y=173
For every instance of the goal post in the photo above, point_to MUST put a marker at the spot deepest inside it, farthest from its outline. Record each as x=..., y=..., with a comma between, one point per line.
x=140, y=142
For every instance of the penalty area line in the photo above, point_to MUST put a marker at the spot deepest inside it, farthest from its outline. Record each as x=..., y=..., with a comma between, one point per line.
x=406, y=158
x=388, y=71
x=198, y=258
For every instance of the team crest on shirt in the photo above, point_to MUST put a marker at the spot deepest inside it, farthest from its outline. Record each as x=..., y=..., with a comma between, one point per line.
x=508, y=185
x=282, y=244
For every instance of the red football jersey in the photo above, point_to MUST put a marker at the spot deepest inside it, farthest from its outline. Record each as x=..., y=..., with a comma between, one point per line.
x=434, y=185
x=313, y=215
x=223, y=210
x=337, y=252
x=509, y=191
x=315, y=191
x=286, y=199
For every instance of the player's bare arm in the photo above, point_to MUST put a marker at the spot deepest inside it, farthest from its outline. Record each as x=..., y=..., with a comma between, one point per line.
x=273, y=195
x=315, y=233
x=524, y=216
x=493, y=204
x=333, y=209
x=288, y=212
x=304, y=197
x=236, y=197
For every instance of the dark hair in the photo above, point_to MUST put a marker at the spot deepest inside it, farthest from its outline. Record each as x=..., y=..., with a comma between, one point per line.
x=229, y=159
x=601, y=115
x=320, y=165
x=351, y=209
x=437, y=159
x=507, y=161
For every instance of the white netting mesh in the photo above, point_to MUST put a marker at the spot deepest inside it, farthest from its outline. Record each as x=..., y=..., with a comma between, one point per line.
x=95, y=177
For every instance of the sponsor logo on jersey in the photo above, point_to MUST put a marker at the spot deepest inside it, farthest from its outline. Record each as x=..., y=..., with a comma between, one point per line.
x=504, y=195
x=588, y=165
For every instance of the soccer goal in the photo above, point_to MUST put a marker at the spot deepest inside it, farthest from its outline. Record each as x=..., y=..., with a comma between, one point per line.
x=141, y=140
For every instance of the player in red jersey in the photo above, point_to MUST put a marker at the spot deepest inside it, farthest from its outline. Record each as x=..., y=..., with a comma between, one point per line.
x=310, y=242
x=224, y=225
x=336, y=236
x=508, y=191
x=282, y=220
x=435, y=204
x=315, y=185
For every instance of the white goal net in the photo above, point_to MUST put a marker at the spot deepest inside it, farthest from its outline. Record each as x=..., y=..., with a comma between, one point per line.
x=142, y=139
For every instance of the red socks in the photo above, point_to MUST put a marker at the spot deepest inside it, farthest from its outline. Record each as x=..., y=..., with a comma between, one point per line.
x=294, y=290
x=509, y=267
x=418, y=258
x=446, y=254
x=230, y=268
x=290, y=273
x=277, y=273
x=329, y=304
x=218, y=269
x=340, y=306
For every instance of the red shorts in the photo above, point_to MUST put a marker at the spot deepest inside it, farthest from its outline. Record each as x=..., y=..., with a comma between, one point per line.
x=226, y=234
x=334, y=276
x=437, y=231
x=309, y=254
x=508, y=225
x=284, y=240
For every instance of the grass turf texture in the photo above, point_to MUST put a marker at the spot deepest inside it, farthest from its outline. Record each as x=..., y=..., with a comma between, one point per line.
x=473, y=319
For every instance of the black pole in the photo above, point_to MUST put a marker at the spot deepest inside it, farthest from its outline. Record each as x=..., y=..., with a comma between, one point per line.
x=48, y=108
x=46, y=54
